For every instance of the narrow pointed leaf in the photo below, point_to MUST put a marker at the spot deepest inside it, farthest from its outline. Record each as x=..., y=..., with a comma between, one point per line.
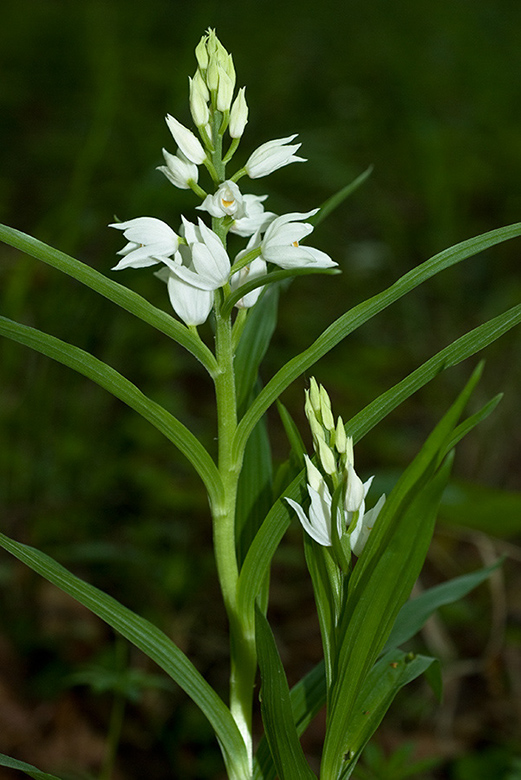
x=360, y=314
x=28, y=769
x=108, y=378
x=148, y=638
x=417, y=611
x=272, y=278
x=117, y=293
x=277, y=715
x=254, y=342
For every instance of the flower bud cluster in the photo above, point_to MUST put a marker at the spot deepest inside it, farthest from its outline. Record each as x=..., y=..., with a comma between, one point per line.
x=334, y=471
x=213, y=85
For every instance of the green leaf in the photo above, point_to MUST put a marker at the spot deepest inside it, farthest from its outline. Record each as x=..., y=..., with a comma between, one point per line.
x=122, y=296
x=254, y=342
x=272, y=278
x=298, y=448
x=385, y=574
x=108, y=378
x=328, y=589
x=148, y=638
x=360, y=314
x=30, y=770
x=389, y=674
x=415, y=612
x=338, y=198
x=277, y=716
x=307, y=697
x=464, y=347
x=381, y=582
x=254, y=495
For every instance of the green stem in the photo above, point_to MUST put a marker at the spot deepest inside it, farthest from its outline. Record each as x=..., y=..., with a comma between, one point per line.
x=243, y=657
x=114, y=733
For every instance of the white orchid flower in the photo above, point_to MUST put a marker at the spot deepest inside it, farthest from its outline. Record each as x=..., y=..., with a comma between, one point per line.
x=271, y=156
x=364, y=526
x=208, y=266
x=150, y=241
x=317, y=523
x=255, y=219
x=281, y=246
x=226, y=201
x=179, y=170
x=190, y=146
x=190, y=303
x=254, y=270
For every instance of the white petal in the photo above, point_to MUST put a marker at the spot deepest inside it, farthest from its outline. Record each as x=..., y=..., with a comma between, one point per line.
x=191, y=304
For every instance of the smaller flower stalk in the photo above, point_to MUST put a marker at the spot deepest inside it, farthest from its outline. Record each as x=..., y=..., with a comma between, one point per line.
x=334, y=484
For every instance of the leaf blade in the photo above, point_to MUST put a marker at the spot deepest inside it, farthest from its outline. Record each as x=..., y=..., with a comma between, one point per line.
x=144, y=635
x=117, y=293
x=111, y=380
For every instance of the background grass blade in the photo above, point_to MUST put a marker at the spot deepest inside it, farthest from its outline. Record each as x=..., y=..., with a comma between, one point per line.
x=147, y=637
x=108, y=378
x=360, y=314
x=117, y=293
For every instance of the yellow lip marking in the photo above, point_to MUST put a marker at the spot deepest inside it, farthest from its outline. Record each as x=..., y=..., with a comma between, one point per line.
x=226, y=203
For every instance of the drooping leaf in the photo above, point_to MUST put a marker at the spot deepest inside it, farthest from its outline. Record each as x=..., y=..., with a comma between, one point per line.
x=111, y=380
x=151, y=641
x=117, y=293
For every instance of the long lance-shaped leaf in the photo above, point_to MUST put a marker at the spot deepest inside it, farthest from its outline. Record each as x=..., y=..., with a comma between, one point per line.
x=360, y=314
x=277, y=715
x=148, y=638
x=117, y=293
x=277, y=521
x=122, y=388
x=22, y=766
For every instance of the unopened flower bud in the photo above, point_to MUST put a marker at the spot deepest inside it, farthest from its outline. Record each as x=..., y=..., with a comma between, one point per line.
x=238, y=115
x=340, y=436
x=314, y=394
x=326, y=456
x=201, y=53
x=198, y=106
x=224, y=90
x=315, y=478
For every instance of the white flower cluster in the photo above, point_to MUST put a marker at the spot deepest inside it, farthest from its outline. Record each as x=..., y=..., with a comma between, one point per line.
x=335, y=457
x=195, y=260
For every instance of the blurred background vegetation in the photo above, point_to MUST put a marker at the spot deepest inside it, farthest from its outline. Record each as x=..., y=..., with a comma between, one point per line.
x=428, y=94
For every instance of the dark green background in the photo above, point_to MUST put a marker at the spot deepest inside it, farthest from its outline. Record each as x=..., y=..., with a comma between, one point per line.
x=426, y=92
